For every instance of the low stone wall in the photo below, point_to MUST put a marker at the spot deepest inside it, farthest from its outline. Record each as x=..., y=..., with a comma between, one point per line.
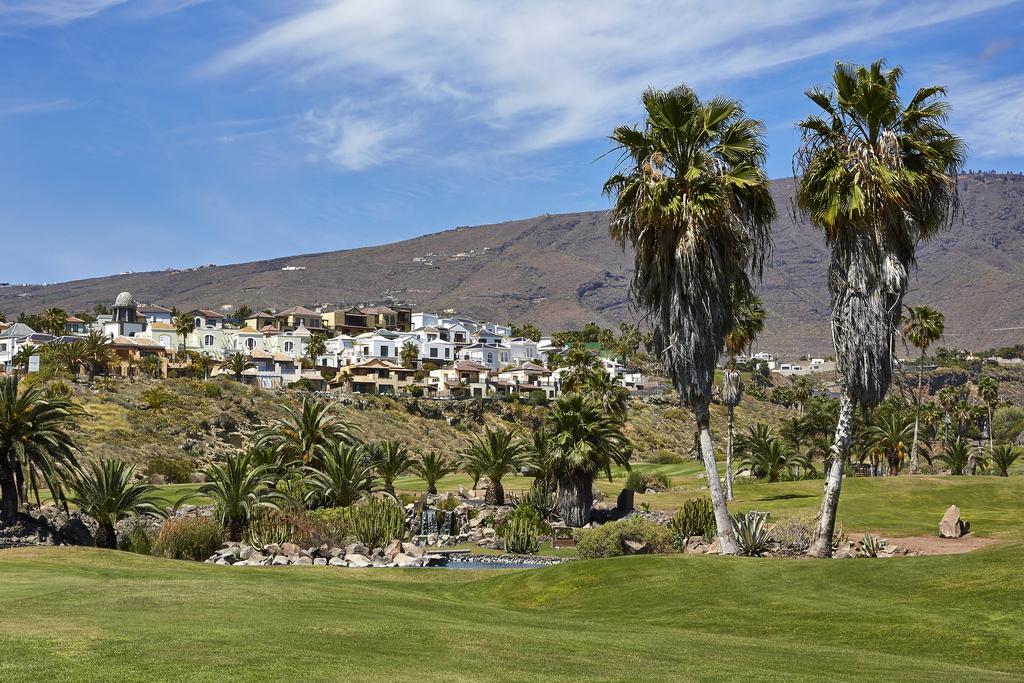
x=396, y=554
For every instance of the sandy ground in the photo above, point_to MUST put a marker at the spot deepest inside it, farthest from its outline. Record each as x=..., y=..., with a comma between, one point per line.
x=933, y=545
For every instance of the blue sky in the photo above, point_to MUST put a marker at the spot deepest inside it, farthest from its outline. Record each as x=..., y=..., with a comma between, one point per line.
x=143, y=134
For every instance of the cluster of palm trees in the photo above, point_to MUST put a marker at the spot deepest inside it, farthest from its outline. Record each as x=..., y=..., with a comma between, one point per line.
x=874, y=175
x=93, y=353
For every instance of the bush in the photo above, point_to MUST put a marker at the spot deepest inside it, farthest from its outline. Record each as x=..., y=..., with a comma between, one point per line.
x=641, y=481
x=609, y=539
x=212, y=389
x=752, y=533
x=138, y=540
x=537, y=399
x=377, y=522
x=331, y=525
x=664, y=457
x=173, y=470
x=794, y=534
x=519, y=532
x=188, y=538
x=695, y=518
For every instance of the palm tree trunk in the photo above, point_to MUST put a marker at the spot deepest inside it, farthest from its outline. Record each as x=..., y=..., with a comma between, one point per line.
x=234, y=528
x=991, y=437
x=723, y=521
x=917, y=415
x=822, y=545
x=728, y=454
x=9, y=495
x=106, y=537
x=495, y=493
x=575, y=499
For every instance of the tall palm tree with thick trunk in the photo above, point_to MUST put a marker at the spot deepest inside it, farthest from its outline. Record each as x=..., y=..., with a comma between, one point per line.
x=494, y=454
x=876, y=177
x=922, y=327
x=692, y=199
x=748, y=322
x=35, y=442
x=585, y=440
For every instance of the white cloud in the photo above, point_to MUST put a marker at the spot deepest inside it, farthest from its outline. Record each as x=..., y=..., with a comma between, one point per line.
x=529, y=75
x=27, y=13
x=355, y=139
x=11, y=108
x=990, y=115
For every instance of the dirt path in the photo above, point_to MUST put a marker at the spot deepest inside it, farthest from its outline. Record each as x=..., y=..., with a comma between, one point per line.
x=933, y=545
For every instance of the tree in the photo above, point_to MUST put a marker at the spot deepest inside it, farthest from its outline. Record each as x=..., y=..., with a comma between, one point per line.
x=184, y=325
x=988, y=392
x=98, y=353
x=107, y=492
x=1003, y=456
x=958, y=456
x=540, y=452
x=242, y=314
x=317, y=347
x=150, y=365
x=20, y=360
x=766, y=456
x=922, y=327
x=876, y=178
x=201, y=363
x=345, y=475
x=494, y=454
x=238, y=488
x=747, y=323
x=54, y=320
x=237, y=363
x=888, y=436
x=608, y=393
x=410, y=354
x=304, y=435
x=35, y=440
x=585, y=440
x=432, y=468
x=580, y=365
x=391, y=460
x=693, y=201
x=526, y=330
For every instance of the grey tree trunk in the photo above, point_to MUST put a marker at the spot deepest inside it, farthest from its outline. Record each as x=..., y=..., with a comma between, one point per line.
x=917, y=416
x=732, y=392
x=822, y=544
x=723, y=522
x=728, y=455
x=575, y=499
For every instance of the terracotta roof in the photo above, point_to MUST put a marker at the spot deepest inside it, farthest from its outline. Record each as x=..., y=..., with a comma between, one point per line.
x=532, y=367
x=206, y=313
x=378, y=310
x=73, y=319
x=248, y=329
x=470, y=366
x=296, y=310
x=261, y=355
x=137, y=342
x=162, y=326
x=283, y=358
x=270, y=329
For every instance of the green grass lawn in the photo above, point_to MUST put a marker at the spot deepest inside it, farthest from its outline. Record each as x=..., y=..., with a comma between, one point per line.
x=86, y=614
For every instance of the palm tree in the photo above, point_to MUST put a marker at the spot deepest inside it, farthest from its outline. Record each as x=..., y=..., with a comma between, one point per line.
x=184, y=325
x=766, y=456
x=585, y=440
x=432, y=468
x=54, y=320
x=202, y=364
x=304, y=435
x=35, y=439
x=1003, y=456
x=150, y=365
x=748, y=322
x=391, y=460
x=580, y=366
x=98, y=352
x=345, y=475
x=316, y=347
x=876, y=178
x=988, y=392
x=958, y=456
x=493, y=455
x=20, y=360
x=612, y=396
x=410, y=354
x=922, y=327
x=540, y=451
x=107, y=492
x=238, y=488
x=693, y=201
x=237, y=363
x=888, y=436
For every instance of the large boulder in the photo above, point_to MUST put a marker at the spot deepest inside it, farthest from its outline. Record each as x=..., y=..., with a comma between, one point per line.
x=951, y=526
x=624, y=503
x=393, y=549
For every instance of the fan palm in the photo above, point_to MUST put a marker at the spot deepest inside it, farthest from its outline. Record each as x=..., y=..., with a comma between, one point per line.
x=540, y=451
x=769, y=457
x=432, y=468
x=585, y=441
x=98, y=352
x=237, y=363
x=107, y=492
x=748, y=322
x=54, y=320
x=35, y=441
x=391, y=460
x=1003, y=457
x=580, y=366
x=303, y=435
x=494, y=454
x=316, y=347
x=238, y=488
x=876, y=178
x=606, y=391
x=922, y=327
x=958, y=456
x=693, y=201
x=344, y=476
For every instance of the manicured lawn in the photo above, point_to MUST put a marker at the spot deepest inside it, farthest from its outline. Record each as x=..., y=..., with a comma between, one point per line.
x=85, y=614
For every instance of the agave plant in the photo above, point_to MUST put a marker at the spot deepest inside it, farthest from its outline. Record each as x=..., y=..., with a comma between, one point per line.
x=870, y=546
x=107, y=492
x=753, y=535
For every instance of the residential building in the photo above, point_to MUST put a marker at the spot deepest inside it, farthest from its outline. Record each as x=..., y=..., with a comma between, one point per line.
x=351, y=321
x=130, y=352
x=298, y=316
x=208, y=320
x=155, y=314
x=462, y=379
x=491, y=356
x=76, y=326
x=261, y=321
x=124, y=318
x=374, y=376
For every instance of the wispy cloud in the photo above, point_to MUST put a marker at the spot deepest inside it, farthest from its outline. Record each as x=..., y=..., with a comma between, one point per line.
x=530, y=75
x=28, y=13
x=989, y=115
x=355, y=139
x=35, y=107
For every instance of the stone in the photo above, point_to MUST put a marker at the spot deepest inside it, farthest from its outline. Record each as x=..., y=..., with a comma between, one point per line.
x=844, y=550
x=624, y=503
x=256, y=558
x=598, y=495
x=279, y=560
x=306, y=561
x=403, y=560
x=695, y=545
x=951, y=526
x=337, y=562
x=246, y=551
x=290, y=549
x=273, y=549
x=337, y=552
x=357, y=560
x=636, y=547
x=320, y=562
x=393, y=549
x=412, y=550
x=356, y=549
x=714, y=548
x=462, y=492
x=75, y=532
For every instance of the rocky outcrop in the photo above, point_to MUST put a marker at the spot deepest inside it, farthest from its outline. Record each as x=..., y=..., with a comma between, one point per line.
x=396, y=554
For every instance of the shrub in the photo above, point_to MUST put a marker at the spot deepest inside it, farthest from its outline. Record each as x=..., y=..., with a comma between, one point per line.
x=1003, y=458
x=138, y=540
x=752, y=533
x=695, y=518
x=173, y=470
x=331, y=525
x=537, y=399
x=544, y=503
x=609, y=539
x=188, y=538
x=212, y=389
x=794, y=534
x=664, y=457
x=870, y=546
x=377, y=522
x=156, y=399
x=519, y=533
x=641, y=481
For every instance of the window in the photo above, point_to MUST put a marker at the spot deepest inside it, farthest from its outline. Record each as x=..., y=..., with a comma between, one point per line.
x=490, y=357
x=433, y=352
x=504, y=357
x=199, y=322
x=384, y=351
x=447, y=353
x=165, y=341
x=289, y=346
x=250, y=343
x=208, y=340
x=365, y=351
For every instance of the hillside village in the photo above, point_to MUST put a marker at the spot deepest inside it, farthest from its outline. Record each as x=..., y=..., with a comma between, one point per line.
x=380, y=350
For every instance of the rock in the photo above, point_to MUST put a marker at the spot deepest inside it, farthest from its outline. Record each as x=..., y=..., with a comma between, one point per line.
x=337, y=552
x=649, y=491
x=624, y=503
x=462, y=492
x=403, y=560
x=279, y=560
x=412, y=550
x=714, y=548
x=337, y=562
x=273, y=549
x=695, y=545
x=75, y=532
x=245, y=551
x=320, y=562
x=636, y=547
x=257, y=558
x=357, y=560
x=844, y=550
x=290, y=549
x=598, y=495
x=197, y=478
x=951, y=525
x=393, y=549
x=356, y=549
x=307, y=561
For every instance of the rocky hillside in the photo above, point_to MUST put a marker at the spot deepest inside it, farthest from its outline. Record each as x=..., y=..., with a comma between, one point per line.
x=562, y=271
